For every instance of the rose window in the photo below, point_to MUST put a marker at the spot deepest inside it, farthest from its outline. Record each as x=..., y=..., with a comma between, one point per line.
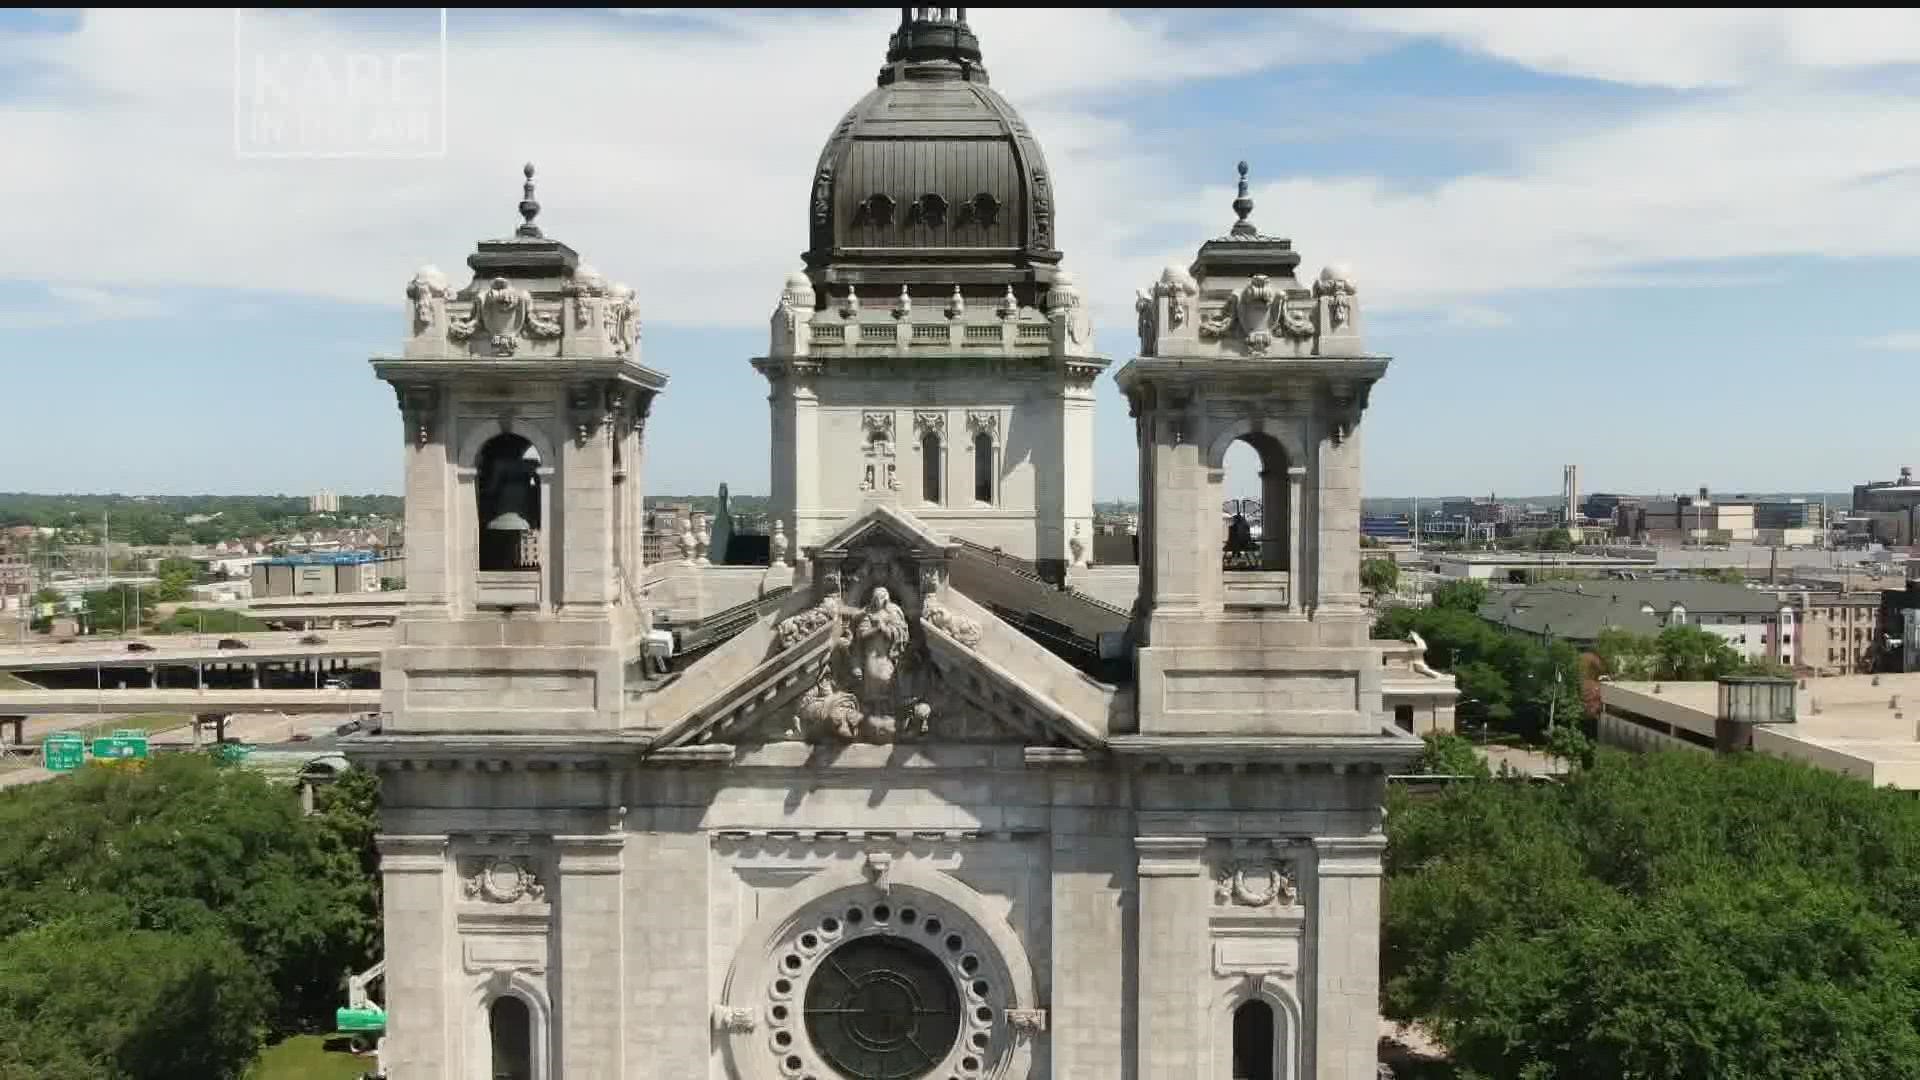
x=896, y=989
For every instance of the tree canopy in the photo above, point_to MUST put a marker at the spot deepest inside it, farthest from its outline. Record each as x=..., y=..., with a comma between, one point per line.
x=158, y=918
x=1670, y=916
x=1379, y=576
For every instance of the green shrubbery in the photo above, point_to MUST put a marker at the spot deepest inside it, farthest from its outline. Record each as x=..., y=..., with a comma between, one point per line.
x=159, y=919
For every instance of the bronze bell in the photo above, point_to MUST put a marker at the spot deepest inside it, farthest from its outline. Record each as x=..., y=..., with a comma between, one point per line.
x=512, y=495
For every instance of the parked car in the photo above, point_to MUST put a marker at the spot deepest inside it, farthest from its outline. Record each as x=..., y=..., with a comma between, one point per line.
x=313, y=639
x=230, y=643
x=336, y=684
x=139, y=646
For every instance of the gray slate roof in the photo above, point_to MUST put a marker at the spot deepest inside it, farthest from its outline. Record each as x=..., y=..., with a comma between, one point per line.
x=1579, y=610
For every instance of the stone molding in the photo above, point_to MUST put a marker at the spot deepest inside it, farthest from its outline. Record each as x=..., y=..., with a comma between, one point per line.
x=412, y=854
x=1349, y=856
x=590, y=854
x=1171, y=856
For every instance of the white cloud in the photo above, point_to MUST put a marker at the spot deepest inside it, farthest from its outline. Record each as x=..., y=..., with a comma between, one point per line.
x=680, y=160
x=1899, y=341
x=1474, y=317
x=1676, y=48
x=71, y=305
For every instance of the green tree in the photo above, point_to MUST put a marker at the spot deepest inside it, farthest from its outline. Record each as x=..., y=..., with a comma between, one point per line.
x=1556, y=540
x=118, y=610
x=1464, y=594
x=1450, y=755
x=1662, y=916
x=1689, y=653
x=1379, y=576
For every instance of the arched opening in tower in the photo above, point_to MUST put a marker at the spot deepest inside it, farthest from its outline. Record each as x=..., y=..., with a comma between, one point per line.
x=507, y=496
x=1256, y=506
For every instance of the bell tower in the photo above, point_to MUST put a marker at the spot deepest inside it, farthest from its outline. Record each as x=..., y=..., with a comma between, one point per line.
x=524, y=404
x=1237, y=636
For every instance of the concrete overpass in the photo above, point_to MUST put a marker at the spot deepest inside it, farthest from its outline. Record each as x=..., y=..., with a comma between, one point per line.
x=194, y=702
x=327, y=609
x=197, y=650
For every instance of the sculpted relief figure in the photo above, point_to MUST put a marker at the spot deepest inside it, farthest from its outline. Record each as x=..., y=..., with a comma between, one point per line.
x=880, y=637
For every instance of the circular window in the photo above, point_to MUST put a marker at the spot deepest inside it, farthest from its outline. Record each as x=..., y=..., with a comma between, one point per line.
x=883, y=1008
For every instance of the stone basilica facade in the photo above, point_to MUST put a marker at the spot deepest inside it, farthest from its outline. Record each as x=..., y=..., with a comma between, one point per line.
x=880, y=832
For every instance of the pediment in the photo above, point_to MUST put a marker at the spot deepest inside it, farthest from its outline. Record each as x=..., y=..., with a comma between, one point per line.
x=876, y=647
x=817, y=684
x=883, y=525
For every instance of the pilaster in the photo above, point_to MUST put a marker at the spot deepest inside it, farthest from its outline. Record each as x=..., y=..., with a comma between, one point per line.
x=1346, y=968
x=1171, y=942
x=591, y=1016
x=416, y=899
x=665, y=919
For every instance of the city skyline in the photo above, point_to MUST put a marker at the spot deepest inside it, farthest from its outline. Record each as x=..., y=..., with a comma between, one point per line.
x=1536, y=209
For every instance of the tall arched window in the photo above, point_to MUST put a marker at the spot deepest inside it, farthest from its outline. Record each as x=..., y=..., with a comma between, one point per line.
x=983, y=468
x=1255, y=508
x=510, y=1029
x=930, y=467
x=507, y=494
x=1253, y=1055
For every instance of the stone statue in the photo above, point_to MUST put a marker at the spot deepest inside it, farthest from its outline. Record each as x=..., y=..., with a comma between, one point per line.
x=880, y=637
x=1077, y=547
x=779, y=543
x=1420, y=662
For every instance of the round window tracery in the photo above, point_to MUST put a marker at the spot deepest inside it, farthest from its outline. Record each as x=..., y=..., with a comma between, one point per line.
x=885, y=990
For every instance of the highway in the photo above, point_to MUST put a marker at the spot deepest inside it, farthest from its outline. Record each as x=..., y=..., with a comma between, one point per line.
x=36, y=702
x=188, y=650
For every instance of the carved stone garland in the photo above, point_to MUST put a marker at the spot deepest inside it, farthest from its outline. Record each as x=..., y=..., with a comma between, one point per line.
x=1255, y=883
x=1254, y=314
x=503, y=881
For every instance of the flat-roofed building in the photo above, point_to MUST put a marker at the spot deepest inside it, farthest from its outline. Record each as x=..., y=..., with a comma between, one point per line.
x=1856, y=725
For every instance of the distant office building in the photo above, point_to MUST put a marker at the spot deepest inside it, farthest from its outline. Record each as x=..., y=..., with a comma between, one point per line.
x=1570, y=485
x=1488, y=511
x=317, y=574
x=16, y=581
x=1600, y=507
x=1889, y=510
x=323, y=502
x=660, y=538
x=1698, y=519
x=1387, y=528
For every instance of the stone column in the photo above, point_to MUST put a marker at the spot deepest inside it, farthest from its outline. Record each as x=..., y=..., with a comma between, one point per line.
x=1345, y=1011
x=588, y=907
x=417, y=906
x=1171, y=943
x=1181, y=531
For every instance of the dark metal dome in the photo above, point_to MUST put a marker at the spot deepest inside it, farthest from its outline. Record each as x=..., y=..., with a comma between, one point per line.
x=932, y=177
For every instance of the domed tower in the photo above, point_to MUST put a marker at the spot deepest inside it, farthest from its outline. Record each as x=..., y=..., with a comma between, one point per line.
x=932, y=352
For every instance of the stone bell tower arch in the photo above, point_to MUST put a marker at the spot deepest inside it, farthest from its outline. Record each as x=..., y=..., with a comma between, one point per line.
x=1236, y=348
x=524, y=405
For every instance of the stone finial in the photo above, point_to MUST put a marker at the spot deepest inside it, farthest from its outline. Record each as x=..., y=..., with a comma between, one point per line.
x=1009, y=305
x=903, y=306
x=529, y=206
x=1242, y=206
x=957, y=306
x=779, y=543
x=850, y=305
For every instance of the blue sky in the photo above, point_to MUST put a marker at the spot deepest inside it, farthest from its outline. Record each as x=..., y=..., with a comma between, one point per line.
x=1677, y=248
